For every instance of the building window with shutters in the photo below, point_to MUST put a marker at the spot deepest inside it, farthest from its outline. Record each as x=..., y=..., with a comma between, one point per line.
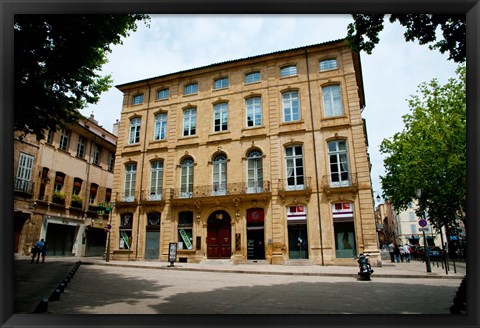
x=24, y=173
x=64, y=139
x=93, y=193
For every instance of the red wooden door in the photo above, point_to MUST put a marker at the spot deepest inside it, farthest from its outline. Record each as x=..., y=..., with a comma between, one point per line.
x=212, y=242
x=225, y=241
x=219, y=239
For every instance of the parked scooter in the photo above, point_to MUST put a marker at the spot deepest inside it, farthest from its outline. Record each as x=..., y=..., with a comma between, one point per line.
x=365, y=269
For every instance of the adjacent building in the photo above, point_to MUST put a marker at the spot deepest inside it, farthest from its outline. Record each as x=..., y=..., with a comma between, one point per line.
x=61, y=186
x=258, y=159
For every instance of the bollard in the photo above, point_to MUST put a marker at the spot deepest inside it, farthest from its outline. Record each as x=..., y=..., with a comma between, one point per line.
x=61, y=287
x=55, y=295
x=65, y=282
x=42, y=306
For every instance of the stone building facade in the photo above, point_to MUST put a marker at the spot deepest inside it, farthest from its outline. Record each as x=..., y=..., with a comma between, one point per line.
x=257, y=159
x=59, y=184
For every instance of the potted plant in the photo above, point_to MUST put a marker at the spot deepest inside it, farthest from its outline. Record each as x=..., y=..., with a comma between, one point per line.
x=76, y=201
x=58, y=197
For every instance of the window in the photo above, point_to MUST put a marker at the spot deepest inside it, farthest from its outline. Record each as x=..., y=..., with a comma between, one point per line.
x=220, y=117
x=328, y=64
x=77, y=186
x=154, y=219
x=50, y=135
x=108, y=196
x=337, y=153
x=93, y=193
x=64, y=138
x=81, y=147
x=129, y=187
x=254, y=171
x=344, y=229
x=163, y=94
x=288, y=71
x=294, y=165
x=126, y=223
x=291, y=111
x=332, y=101
x=254, y=111
x=24, y=173
x=59, y=181
x=96, y=154
x=189, y=122
x=190, y=89
x=221, y=83
x=412, y=216
x=156, y=180
x=138, y=99
x=111, y=161
x=219, y=183
x=185, y=230
x=134, y=131
x=252, y=77
x=414, y=228
x=186, y=178
x=160, y=131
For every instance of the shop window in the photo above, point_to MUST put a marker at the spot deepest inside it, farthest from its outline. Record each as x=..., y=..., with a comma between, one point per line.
x=344, y=230
x=126, y=223
x=185, y=230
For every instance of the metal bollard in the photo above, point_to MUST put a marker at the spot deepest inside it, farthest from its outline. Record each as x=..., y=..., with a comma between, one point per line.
x=55, y=295
x=61, y=287
x=42, y=306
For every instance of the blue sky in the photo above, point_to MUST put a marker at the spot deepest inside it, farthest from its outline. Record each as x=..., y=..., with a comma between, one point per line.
x=179, y=42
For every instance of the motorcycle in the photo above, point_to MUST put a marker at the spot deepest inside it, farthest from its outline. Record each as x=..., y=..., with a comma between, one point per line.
x=365, y=269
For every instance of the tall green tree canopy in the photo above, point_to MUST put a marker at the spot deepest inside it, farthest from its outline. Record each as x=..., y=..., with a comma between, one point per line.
x=430, y=153
x=363, y=32
x=57, y=64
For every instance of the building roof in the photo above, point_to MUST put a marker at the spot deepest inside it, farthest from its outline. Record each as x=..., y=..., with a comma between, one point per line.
x=232, y=61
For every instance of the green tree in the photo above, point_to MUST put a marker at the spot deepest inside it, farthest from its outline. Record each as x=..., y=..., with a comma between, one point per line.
x=363, y=32
x=57, y=60
x=430, y=153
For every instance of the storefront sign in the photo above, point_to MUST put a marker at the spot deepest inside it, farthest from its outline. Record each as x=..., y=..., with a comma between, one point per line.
x=185, y=238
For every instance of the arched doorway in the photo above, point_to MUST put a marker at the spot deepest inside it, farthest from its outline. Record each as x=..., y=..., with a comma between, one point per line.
x=219, y=235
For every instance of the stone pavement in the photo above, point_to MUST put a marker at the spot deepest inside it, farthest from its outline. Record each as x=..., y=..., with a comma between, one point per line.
x=36, y=281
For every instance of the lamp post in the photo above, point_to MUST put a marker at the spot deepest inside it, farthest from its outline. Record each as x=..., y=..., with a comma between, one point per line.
x=427, y=259
x=109, y=227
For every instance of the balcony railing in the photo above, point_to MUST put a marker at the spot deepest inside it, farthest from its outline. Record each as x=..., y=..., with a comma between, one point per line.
x=221, y=189
x=339, y=182
x=23, y=186
x=129, y=197
x=295, y=184
x=153, y=196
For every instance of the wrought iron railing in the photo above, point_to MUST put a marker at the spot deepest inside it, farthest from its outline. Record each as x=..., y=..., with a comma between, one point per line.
x=342, y=180
x=127, y=197
x=23, y=186
x=221, y=189
x=295, y=184
x=150, y=196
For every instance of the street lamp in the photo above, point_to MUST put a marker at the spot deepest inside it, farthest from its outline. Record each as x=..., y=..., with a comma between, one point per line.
x=108, y=228
x=427, y=259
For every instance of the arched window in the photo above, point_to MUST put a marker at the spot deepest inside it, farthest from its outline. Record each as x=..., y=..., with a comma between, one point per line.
x=254, y=171
x=219, y=181
x=186, y=178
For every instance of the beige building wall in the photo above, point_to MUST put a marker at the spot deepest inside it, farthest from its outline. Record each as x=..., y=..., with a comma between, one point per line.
x=312, y=132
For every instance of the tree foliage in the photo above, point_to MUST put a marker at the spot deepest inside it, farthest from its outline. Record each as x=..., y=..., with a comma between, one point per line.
x=430, y=153
x=57, y=60
x=363, y=32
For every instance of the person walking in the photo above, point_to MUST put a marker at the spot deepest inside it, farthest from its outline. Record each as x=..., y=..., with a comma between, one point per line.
x=402, y=253
x=44, y=252
x=396, y=252
x=407, y=251
x=391, y=249
x=37, y=250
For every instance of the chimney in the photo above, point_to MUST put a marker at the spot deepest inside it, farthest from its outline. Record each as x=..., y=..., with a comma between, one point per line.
x=92, y=118
x=115, y=128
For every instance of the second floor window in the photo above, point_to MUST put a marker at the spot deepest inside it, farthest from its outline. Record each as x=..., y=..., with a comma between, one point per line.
x=291, y=107
x=252, y=77
x=96, y=154
x=254, y=111
x=221, y=83
x=190, y=89
x=137, y=100
x=254, y=171
x=332, y=101
x=189, y=122
x=160, y=131
x=130, y=180
x=111, y=161
x=220, y=118
x=134, y=136
x=290, y=70
x=156, y=180
x=81, y=147
x=294, y=166
x=24, y=172
x=337, y=154
x=219, y=175
x=186, y=178
x=64, y=139
x=163, y=94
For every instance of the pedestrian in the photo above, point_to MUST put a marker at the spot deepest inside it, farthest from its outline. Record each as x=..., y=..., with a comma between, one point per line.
x=396, y=252
x=44, y=252
x=37, y=250
x=402, y=254
x=407, y=251
x=391, y=249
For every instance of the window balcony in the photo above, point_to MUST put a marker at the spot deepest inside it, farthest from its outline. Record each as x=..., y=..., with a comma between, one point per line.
x=130, y=198
x=343, y=183
x=23, y=186
x=221, y=190
x=294, y=187
x=152, y=198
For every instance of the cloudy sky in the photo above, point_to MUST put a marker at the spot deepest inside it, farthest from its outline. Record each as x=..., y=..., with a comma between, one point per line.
x=179, y=42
